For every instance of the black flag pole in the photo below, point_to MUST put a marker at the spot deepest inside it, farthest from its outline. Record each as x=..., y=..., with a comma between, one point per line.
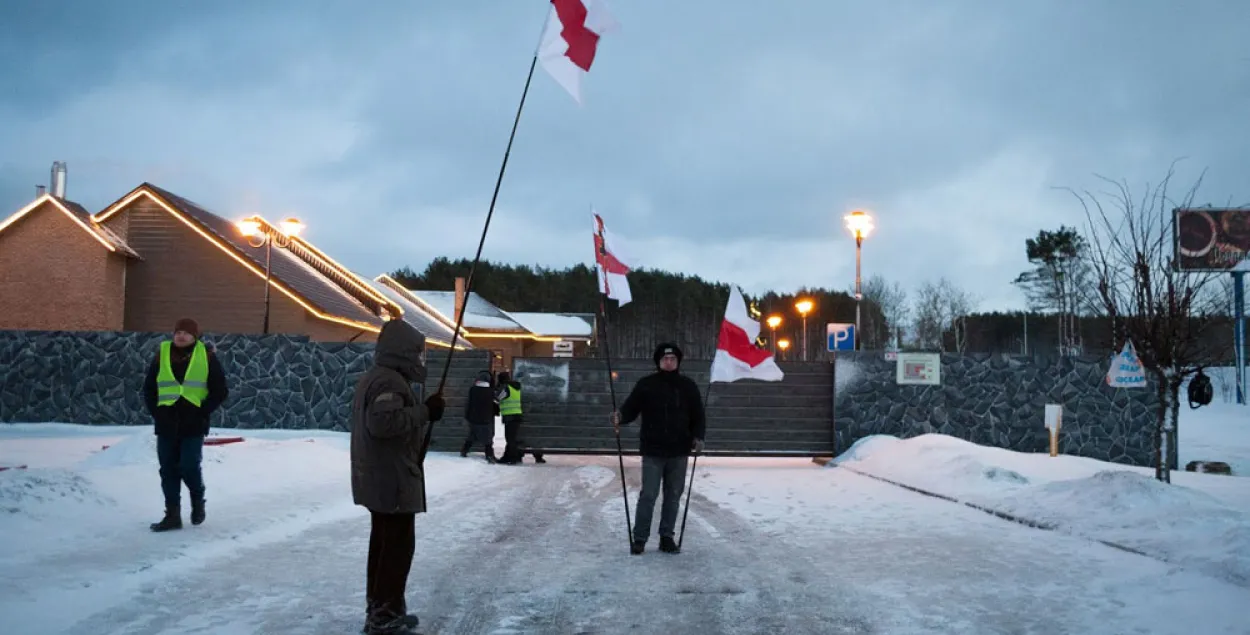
x=468, y=287
x=690, y=485
x=601, y=251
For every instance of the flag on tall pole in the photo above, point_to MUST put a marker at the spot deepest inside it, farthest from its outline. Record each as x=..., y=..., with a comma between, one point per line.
x=571, y=39
x=611, y=263
x=567, y=47
x=737, y=355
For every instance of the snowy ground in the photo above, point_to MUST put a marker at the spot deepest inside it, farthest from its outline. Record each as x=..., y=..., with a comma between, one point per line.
x=772, y=545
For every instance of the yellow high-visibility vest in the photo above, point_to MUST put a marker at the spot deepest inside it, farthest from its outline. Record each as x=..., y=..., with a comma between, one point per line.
x=511, y=404
x=194, y=386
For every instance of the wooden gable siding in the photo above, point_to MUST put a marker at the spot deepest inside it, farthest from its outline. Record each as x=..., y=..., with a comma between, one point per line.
x=183, y=274
x=55, y=276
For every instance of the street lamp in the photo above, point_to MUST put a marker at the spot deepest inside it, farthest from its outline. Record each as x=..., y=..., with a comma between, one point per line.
x=261, y=234
x=773, y=322
x=860, y=224
x=804, y=307
x=783, y=344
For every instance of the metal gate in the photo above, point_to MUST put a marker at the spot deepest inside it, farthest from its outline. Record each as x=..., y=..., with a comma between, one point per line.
x=567, y=403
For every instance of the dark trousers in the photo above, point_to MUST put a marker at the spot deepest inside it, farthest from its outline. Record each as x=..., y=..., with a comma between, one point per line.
x=481, y=434
x=392, y=541
x=180, y=460
x=515, y=448
x=657, y=471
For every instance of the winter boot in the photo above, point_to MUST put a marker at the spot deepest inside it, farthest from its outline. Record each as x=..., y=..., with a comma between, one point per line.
x=387, y=623
x=668, y=545
x=197, y=511
x=637, y=547
x=538, y=458
x=172, y=520
x=464, y=449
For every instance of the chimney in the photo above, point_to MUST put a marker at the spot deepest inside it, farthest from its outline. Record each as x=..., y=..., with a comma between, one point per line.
x=58, y=179
x=460, y=297
x=39, y=191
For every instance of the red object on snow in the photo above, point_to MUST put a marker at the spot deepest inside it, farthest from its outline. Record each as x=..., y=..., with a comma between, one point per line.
x=222, y=440
x=16, y=467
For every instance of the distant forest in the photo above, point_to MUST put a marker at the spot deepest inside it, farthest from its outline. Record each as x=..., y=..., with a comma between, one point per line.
x=935, y=316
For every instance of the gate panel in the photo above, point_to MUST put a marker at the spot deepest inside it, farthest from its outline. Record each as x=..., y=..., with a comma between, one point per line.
x=567, y=403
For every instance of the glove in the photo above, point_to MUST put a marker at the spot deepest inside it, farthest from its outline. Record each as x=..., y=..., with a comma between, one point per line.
x=436, y=405
x=697, y=445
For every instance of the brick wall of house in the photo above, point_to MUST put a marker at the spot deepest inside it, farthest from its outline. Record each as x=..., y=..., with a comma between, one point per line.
x=54, y=275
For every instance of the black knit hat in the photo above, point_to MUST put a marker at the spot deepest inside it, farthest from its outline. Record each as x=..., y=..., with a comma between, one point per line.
x=664, y=349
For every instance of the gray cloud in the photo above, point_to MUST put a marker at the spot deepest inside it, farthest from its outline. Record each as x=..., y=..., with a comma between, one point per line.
x=725, y=139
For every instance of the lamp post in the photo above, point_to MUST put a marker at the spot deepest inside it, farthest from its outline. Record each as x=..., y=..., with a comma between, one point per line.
x=773, y=322
x=261, y=234
x=804, y=307
x=783, y=344
x=860, y=224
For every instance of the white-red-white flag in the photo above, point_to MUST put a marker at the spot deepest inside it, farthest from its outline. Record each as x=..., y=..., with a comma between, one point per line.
x=571, y=39
x=611, y=263
x=737, y=356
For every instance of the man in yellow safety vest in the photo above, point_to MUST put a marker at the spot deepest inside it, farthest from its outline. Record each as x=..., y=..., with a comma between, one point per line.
x=184, y=385
x=509, y=398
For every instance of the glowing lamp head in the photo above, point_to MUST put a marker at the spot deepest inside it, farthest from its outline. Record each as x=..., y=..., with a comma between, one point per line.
x=249, y=227
x=291, y=227
x=774, y=321
x=860, y=224
x=804, y=307
x=783, y=344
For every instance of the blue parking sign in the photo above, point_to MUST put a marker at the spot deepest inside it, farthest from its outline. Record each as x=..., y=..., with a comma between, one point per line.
x=841, y=337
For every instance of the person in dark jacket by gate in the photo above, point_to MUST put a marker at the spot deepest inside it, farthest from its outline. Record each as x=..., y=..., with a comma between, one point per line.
x=184, y=385
x=388, y=479
x=673, y=425
x=479, y=415
x=508, y=396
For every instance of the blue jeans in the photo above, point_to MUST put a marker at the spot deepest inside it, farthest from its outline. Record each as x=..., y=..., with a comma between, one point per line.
x=656, y=471
x=180, y=463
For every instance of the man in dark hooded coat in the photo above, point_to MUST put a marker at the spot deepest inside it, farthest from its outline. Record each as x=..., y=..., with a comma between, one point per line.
x=388, y=430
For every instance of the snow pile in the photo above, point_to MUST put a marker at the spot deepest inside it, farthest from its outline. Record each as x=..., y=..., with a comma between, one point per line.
x=1195, y=522
x=1177, y=523
x=40, y=494
x=134, y=450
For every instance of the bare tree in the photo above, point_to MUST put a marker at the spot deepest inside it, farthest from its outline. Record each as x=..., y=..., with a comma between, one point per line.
x=891, y=298
x=1148, y=299
x=940, y=308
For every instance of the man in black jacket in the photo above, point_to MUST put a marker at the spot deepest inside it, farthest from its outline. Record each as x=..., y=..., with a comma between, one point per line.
x=184, y=385
x=479, y=415
x=673, y=425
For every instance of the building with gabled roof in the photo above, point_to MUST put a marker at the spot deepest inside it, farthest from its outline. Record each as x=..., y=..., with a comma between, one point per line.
x=153, y=257
x=58, y=266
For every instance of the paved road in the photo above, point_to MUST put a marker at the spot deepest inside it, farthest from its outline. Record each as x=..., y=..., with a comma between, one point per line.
x=544, y=551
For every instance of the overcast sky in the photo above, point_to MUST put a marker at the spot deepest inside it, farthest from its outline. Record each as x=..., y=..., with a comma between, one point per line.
x=724, y=138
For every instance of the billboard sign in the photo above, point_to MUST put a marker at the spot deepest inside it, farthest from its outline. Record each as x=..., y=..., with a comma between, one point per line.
x=919, y=369
x=1212, y=239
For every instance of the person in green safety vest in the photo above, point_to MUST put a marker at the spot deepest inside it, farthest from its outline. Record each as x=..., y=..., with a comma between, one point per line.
x=185, y=384
x=509, y=398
